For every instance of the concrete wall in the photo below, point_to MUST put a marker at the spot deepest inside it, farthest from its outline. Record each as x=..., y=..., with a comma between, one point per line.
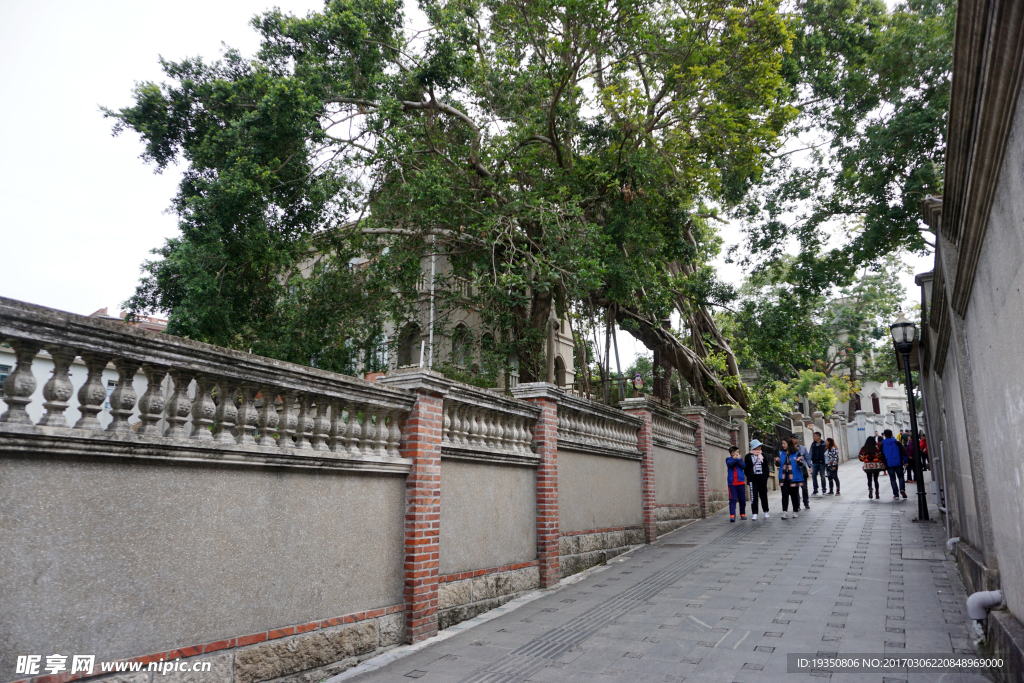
x=119, y=558
x=597, y=492
x=488, y=515
x=994, y=326
x=676, y=477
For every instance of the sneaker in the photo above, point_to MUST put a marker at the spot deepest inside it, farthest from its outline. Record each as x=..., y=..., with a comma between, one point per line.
x=732, y=518
x=830, y=494
x=743, y=517
x=895, y=497
x=766, y=515
x=837, y=493
x=795, y=515
x=754, y=517
x=903, y=493
x=785, y=515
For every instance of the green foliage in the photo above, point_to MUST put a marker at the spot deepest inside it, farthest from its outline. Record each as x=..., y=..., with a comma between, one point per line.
x=552, y=153
x=769, y=403
x=872, y=85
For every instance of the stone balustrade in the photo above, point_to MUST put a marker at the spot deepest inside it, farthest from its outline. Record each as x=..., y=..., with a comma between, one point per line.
x=673, y=431
x=480, y=424
x=717, y=431
x=590, y=426
x=272, y=407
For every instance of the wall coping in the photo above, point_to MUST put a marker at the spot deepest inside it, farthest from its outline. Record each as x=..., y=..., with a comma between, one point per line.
x=30, y=440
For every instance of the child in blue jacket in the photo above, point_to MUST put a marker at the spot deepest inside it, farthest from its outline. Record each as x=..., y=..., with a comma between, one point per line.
x=737, y=484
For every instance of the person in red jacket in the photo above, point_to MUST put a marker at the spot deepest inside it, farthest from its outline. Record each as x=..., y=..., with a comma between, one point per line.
x=737, y=484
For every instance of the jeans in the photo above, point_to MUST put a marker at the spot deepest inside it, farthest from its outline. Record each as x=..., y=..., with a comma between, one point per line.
x=737, y=492
x=807, y=499
x=758, y=489
x=896, y=473
x=816, y=469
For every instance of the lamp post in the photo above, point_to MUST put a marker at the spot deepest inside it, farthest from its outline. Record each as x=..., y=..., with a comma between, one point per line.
x=903, y=334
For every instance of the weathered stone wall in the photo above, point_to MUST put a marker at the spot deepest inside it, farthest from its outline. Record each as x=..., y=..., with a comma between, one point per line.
x=581, y=551
x=488, y=515
x=718, y=494
x=120, y=558
x=597, y=492
x=465, y=595
x=993, y=326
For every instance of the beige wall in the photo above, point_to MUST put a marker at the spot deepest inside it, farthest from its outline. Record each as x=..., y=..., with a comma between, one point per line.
x=597, y=491
x=718, y=473
x=675, y=477
x=488, y=515
x=122, y=558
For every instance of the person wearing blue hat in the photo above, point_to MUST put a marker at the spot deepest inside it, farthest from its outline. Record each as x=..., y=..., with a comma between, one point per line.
x=757, y=471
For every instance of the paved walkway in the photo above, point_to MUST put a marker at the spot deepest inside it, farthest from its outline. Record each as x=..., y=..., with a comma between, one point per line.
x=721, y=602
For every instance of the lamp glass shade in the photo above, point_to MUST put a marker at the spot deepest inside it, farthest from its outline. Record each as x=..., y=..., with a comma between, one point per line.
x=903, y=332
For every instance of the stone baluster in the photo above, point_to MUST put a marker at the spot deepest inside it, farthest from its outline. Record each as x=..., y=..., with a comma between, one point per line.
x=58, y=388
x=383, y=432
x=367, y=431
x=151, y=405
x=227, y=413
x=461, y=424
x=336, y=436
x=269, y=418
x=288, y=420
x=304, y=424
x=504, y=423
x=122, y=400
x=321, y=425
x=448, y=408
x=353, y=429
x=487, y=428
x=247, y=419
x=479, y=427
x=522, y=441
x=178, y=406
x=394, y=435
x=92, y=394
x=203, y=408
x=20, y=384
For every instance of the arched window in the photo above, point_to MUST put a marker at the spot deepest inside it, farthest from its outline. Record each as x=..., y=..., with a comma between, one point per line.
x=875, y=407
x=409, y=346
x=560, y=378
x=856, y=402
x=462, y=348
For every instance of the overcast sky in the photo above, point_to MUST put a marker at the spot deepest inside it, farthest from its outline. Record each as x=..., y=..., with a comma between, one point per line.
x=81, y=211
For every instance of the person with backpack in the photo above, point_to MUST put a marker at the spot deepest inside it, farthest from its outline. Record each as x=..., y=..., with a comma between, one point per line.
x=737, y=484
x=790, y=476
x=874, y=464
x=831, y=466
x=895, y=459
x=757, y=472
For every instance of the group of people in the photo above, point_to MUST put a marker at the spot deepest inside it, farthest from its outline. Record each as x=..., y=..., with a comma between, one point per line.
x=795, y=466
x=892, y=455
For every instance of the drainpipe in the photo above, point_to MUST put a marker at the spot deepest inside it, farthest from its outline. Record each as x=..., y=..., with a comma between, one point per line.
x=945, y=487
x=981, y=603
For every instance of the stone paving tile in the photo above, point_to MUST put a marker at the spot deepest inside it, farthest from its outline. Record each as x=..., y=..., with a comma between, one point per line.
x=731, y=608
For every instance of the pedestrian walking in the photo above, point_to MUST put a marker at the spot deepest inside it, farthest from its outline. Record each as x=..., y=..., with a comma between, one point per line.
x=790, y=476
x=804, y=463
x=737, y=484
x=874, y=464
x=922, y=448
x=831, y=465
x=908, y=448
x=895, y=459
x=818, y=463
x=757, y=472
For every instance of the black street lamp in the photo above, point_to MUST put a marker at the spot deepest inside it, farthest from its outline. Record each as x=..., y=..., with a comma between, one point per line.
x=904, y=333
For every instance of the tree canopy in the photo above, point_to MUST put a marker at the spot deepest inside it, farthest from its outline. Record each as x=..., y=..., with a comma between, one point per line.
x=559, y=154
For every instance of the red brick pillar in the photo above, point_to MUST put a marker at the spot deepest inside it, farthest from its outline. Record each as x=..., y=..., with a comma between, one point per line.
x=421, y=442
x=645, y=443
x=702, y=460
x=545, y=435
